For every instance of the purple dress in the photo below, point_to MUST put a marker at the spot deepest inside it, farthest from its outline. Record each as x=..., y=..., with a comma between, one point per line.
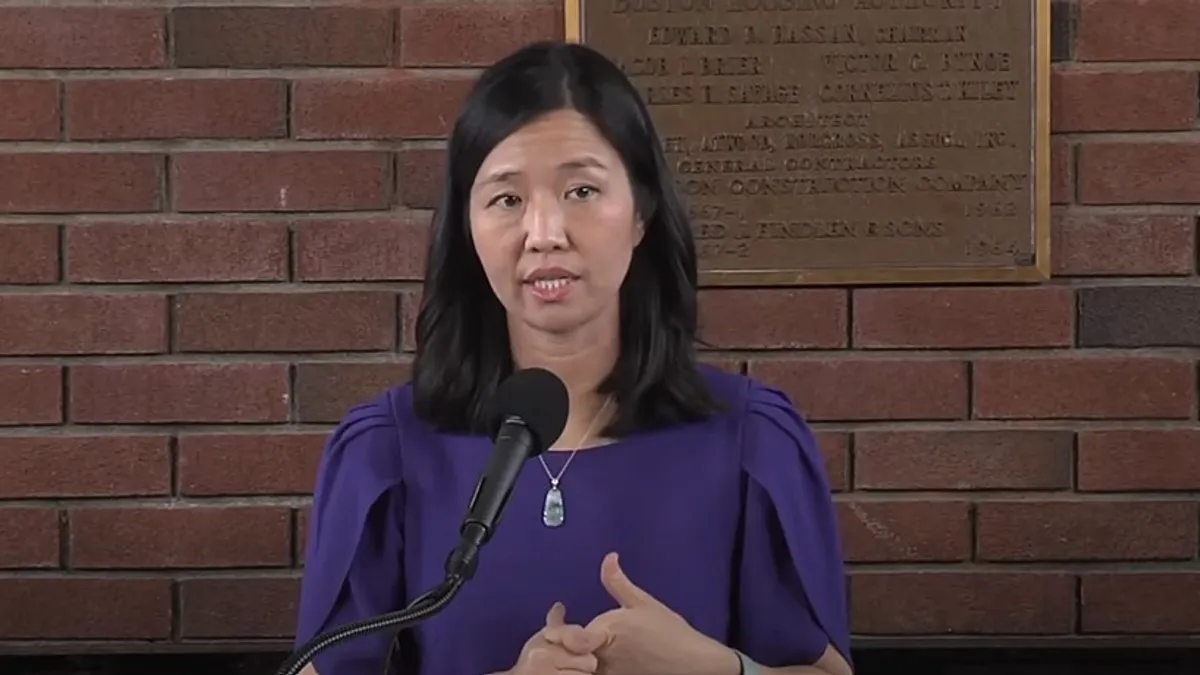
x=728, y=521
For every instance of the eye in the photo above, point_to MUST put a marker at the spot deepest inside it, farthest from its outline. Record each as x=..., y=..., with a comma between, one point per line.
x=505, y=201
x=583, y=192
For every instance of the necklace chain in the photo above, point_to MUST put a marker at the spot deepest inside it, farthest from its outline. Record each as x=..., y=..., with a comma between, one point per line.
x=554, y=479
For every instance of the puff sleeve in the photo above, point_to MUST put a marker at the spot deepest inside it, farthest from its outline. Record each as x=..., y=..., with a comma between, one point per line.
x=791, y=588
x=353, y=558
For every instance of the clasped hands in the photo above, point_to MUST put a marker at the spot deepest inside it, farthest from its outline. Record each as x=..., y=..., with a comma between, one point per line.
x=640, y=636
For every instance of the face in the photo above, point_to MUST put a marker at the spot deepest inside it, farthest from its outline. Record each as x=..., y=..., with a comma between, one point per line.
x=554, y=224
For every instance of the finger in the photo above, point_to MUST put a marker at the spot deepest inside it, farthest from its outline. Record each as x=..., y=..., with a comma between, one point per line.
x=600, y=630
x=565, y=660
x=619, y=586
x=556, y=615
x=574, y=638
x=578, y=639
x=541, y=660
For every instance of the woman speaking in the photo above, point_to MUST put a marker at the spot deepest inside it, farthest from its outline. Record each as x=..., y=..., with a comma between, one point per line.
x=682, y=523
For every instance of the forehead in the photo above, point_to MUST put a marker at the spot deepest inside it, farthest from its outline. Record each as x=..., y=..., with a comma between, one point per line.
x=560, y=141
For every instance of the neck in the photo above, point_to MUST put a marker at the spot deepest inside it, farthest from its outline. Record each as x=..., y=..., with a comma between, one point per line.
x=581, y=360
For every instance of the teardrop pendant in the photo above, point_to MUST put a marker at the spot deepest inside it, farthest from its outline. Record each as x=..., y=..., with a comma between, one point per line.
x=553, y=512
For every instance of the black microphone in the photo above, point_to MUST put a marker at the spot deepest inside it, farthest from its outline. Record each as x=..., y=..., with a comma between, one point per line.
x=527, y=415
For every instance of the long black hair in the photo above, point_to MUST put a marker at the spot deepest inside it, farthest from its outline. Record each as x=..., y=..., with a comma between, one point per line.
x=463, y=350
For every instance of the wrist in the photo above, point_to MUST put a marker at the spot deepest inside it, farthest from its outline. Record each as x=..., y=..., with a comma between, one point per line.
x=718, y=659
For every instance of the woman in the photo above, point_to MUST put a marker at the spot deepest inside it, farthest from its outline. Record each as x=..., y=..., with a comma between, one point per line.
x=560, y=242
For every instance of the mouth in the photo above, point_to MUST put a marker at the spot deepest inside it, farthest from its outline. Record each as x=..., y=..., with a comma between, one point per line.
x=550, y=284
x=550, y=289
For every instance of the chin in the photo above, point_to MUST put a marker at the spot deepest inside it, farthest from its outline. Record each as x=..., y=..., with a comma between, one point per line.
x=556, y=320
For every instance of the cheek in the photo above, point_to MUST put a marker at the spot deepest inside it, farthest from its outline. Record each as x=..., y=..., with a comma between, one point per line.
x=610, y=255
x=497, y=261
x=613, y=241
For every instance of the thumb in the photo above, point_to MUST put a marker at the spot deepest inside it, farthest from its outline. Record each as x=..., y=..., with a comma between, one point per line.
x=619, y=586
x=557, y=615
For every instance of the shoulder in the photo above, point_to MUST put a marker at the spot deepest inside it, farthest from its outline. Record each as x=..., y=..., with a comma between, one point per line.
x=363, y=453
x=773, y=435
x=751, y=402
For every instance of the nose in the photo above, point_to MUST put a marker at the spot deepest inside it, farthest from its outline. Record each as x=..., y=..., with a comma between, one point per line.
x=545, y=226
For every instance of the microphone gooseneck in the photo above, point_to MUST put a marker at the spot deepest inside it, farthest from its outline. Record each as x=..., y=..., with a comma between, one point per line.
x=527, y=415
x=420, y=609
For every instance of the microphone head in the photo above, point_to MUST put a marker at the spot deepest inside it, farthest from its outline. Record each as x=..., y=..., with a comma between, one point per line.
x=539, y=399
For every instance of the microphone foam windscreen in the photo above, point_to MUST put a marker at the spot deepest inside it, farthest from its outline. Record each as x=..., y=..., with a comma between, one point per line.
x=539, y=398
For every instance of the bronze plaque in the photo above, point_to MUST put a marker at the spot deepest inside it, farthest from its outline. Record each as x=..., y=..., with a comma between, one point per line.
x=846, y=141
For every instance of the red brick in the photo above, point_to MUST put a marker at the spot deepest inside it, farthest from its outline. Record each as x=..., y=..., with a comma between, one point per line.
x=83, y=324
x=835, y=448
x=302, y=517
x=773, y=319
x=29, y=537
x=32, y=394
x=999, y=459
x=410, y=307
x=965, y=603
x=286, y=322
x=1139, y=315
x=179, y=392
x=1124, y=245
x=1085, y=388
x=81, y=37
x=1140, y=602
x=936, y=531
x=248, y=464
x=28, y=254
x=238, y=608
x=1085, y=530
x=112, y=109
x=870, y=389
x=1157, y=100
x=180, y=537
x=54, y=467
x=1138, y=30
x=1139, y=460
x=325, y=391
x=266, y=37
x=79, y=182
x=176, y=252
x=471, y=34
x=1139, y=173
x=963, y=317
x=1062, y=172
x=42, y=608
x=419, y=177
x=393, y=105
x=335, y=180
x=30, y=110
x=361, y=250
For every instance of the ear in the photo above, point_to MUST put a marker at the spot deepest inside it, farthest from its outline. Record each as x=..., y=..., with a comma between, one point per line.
x=639, y=232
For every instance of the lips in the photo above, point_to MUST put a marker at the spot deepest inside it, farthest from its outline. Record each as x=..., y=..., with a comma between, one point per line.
x=551, y=284
x=549, y=274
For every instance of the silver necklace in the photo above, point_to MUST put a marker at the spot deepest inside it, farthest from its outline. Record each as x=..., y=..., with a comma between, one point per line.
x=553, y=509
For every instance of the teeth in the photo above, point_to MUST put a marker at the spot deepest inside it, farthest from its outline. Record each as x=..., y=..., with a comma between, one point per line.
x=550, y=284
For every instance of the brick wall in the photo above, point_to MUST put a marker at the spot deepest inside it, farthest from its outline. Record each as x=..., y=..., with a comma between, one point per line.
x=211, y=223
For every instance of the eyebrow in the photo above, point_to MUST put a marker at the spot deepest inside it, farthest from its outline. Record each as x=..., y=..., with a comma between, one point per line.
x=574, y=164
